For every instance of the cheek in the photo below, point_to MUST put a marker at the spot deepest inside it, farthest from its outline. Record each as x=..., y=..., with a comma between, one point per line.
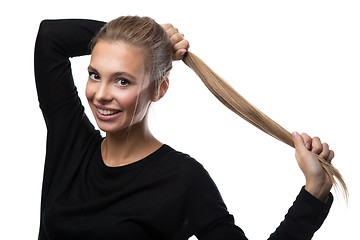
x=144, y=102
x=130, y=100
x=127, y=99
x=89, y=91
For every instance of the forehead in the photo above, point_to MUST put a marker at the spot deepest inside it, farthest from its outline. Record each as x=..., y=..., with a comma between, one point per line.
x=109, y=56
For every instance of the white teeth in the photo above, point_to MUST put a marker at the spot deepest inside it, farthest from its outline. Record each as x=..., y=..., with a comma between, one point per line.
x=107, y=112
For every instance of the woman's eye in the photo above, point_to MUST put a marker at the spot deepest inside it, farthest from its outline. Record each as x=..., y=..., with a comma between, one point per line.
x=123, y=82
x=94, y=76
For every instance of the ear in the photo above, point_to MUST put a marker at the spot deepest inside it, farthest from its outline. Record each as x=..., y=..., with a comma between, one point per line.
x=160, y=92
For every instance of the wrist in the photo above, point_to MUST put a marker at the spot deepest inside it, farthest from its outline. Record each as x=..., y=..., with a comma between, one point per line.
x=321, y=192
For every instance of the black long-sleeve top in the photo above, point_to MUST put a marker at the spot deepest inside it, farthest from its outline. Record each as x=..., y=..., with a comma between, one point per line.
x=167, y=195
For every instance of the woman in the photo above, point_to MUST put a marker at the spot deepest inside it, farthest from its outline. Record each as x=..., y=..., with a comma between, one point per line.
x=129, y=185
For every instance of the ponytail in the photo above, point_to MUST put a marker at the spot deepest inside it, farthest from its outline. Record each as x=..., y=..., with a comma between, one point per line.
x=239, y=105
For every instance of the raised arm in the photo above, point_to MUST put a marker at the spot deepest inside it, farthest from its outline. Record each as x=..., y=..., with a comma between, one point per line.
x=303, y=219
x=211, y=220
x=57, y=40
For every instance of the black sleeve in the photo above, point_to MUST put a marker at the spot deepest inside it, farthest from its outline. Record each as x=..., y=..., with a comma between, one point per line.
x=67, y=125
x=64, y=115
x=304, y=218
x=57, y=40
x=212, y=221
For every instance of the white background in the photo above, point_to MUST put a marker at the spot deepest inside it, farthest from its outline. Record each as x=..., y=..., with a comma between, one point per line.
x=297, y=61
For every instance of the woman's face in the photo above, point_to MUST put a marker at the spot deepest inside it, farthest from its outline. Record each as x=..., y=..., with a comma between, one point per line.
x=118, y=89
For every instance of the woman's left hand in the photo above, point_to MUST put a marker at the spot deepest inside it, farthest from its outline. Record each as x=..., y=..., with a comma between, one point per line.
x=318, y=183
x=180, y=45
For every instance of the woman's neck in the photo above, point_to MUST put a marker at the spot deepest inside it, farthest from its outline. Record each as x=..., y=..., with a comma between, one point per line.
x=128, y=146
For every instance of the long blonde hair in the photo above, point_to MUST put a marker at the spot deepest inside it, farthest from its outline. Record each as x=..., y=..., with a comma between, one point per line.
x=239, y=105
x=145, y=33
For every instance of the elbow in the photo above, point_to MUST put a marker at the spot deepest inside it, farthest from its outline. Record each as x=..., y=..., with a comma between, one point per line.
x=45, y=30
x=44, y=43
x=45, y=39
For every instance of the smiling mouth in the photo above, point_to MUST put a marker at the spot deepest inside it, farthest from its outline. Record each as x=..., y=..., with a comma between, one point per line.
x=107, y=112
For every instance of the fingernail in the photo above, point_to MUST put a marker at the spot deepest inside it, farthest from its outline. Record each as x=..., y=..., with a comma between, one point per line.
x=295, y=134
x=307, y=146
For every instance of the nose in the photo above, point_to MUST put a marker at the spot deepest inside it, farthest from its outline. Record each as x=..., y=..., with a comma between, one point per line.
x=103, y=93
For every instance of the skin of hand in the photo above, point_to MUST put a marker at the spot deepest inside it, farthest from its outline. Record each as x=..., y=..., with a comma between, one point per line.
x=180, y=45
x=318, y=183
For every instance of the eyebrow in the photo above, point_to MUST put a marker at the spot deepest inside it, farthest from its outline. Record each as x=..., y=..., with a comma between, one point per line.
x=115, y=74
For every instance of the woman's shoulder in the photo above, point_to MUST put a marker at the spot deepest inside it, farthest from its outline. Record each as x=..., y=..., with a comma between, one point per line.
x=182, y=162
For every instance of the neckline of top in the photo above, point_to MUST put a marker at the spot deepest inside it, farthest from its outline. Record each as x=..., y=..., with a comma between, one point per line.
x=154, y=155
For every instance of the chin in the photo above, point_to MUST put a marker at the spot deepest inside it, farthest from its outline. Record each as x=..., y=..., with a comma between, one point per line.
x=111, y=129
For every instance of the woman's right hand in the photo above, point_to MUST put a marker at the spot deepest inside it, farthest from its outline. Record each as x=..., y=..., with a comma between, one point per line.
x=318, y=183
x=180, y=45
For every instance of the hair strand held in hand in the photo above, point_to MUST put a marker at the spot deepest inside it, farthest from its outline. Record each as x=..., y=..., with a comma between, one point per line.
x=239, y=105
